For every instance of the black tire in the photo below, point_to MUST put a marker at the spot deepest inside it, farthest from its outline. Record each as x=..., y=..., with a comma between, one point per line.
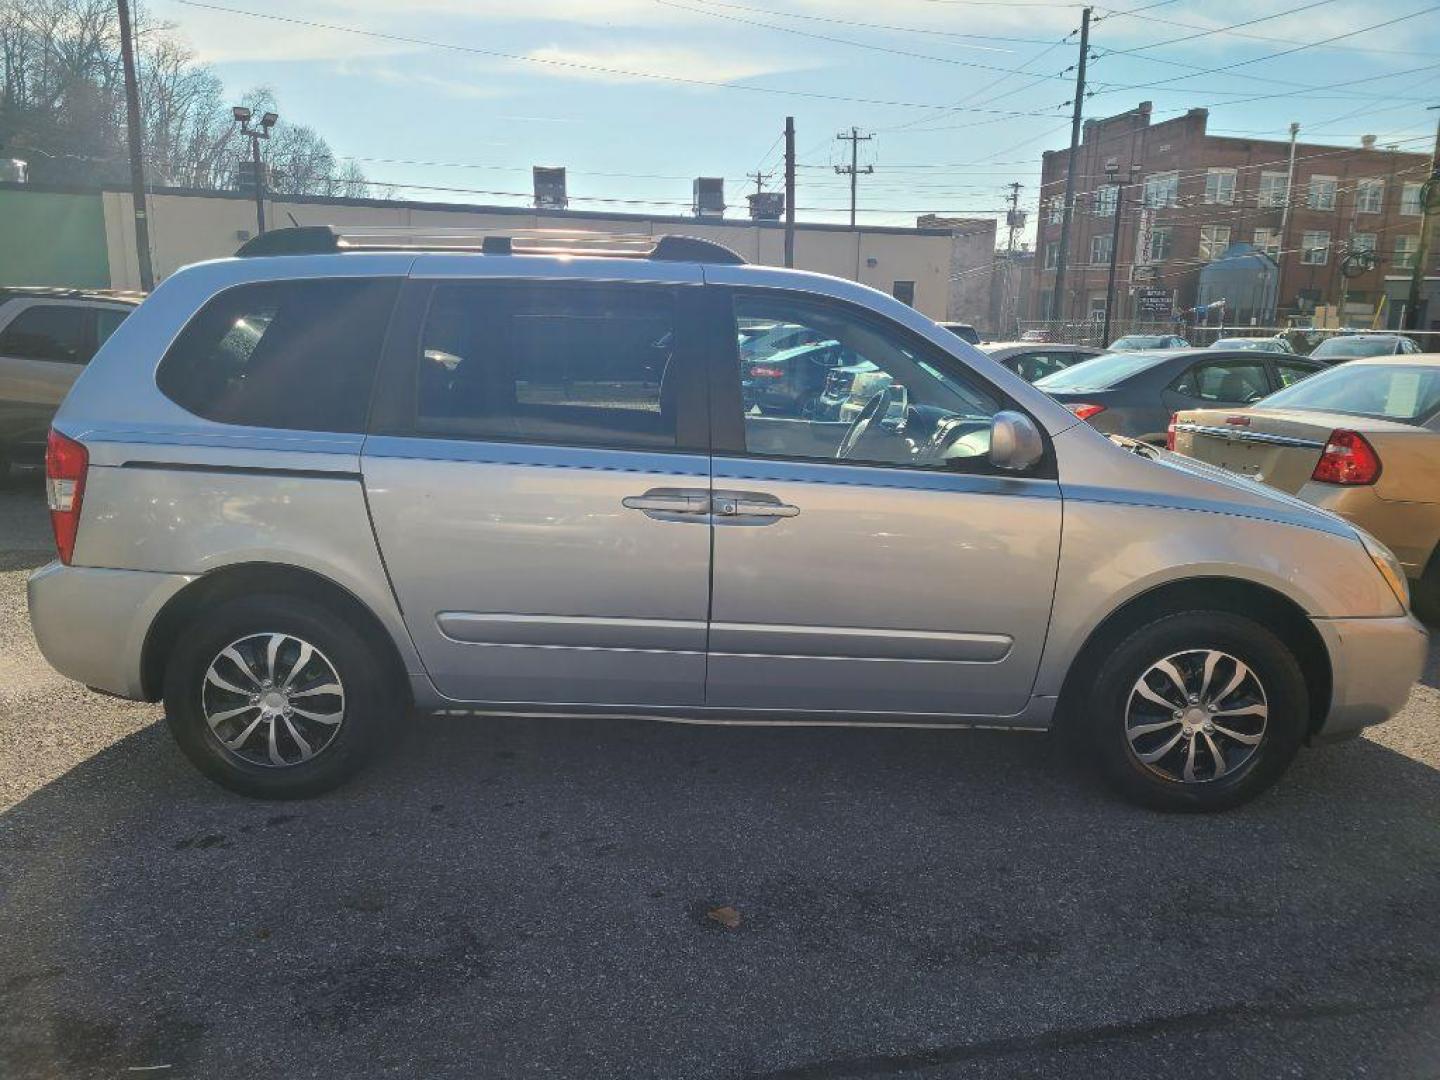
x=1425, y=593
x=1103, y=714
x=370, y=706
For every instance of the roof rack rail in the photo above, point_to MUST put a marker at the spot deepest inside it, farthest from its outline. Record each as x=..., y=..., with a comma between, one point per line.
x=325, y=239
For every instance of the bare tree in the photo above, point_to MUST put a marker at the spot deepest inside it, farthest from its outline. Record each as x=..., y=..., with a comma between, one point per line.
x=63, y=107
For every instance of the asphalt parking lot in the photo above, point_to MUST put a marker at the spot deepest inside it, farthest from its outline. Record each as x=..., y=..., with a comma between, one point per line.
x=521, y=899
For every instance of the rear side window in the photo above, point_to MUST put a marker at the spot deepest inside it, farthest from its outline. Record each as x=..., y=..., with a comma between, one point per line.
x=58, y=332
x=282, y=354
x=1228, y=381
x=577, y=365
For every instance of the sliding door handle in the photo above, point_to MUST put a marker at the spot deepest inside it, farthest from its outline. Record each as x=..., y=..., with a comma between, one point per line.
x=668, y=501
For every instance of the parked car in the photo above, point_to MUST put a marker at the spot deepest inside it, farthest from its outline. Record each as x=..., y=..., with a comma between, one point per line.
x=47, y=336
x=1031, y=363
x=790, y=380
x=1035, y=335
x=1335, y=350
x=1134, y=342
x=964, y=331
x=1268, y=344
x=1136, y=393
x=764, y=338
x=1361, y=440
x=296, y=539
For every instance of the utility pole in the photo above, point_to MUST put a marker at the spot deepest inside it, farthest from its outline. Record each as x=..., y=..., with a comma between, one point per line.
x=759, y=179
x=1013, y=217
x=1057, y=303
x=1111, y=169
x=853, y=170
x=1285, y=213
x=1429, y=202
x=242, y=117
x=137, y=160
x=789, y=191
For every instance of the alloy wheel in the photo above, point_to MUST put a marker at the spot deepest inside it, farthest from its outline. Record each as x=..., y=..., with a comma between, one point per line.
x=1196, y=716
x=273, y=700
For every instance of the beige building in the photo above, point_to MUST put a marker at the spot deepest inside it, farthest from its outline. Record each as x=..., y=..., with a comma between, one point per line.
x=189, y=226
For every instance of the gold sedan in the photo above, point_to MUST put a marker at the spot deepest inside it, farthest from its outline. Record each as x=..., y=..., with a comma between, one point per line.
x=1361, y=439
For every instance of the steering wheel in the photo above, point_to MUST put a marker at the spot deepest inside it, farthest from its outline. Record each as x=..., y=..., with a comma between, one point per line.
x=872, y=416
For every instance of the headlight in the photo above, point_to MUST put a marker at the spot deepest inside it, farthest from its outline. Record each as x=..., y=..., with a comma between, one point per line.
x=1389, y=567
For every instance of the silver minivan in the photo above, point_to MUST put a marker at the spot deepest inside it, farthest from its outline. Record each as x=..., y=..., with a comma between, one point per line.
x=304, y=490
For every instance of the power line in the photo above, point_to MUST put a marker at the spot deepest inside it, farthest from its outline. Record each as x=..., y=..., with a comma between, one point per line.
x=1284, y=41
x=576, y=65
x=877, y=26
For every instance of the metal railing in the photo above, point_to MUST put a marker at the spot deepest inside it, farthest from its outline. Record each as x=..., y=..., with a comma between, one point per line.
x=1300, y=339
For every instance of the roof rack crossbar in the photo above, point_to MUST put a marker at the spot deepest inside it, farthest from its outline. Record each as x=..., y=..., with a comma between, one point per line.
x=324, y=239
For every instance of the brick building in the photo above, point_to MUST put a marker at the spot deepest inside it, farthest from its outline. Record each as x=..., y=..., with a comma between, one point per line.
x=1195, y=194
x=972, y=256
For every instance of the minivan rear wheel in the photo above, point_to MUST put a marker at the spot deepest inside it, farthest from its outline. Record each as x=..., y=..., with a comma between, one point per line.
x=277, y=697
x=1196, y=711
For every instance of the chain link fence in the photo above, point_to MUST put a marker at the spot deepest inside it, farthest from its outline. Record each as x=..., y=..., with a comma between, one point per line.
x=1300, y=339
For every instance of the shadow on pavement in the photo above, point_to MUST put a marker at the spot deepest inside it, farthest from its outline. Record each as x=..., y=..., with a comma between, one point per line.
x=510, y=898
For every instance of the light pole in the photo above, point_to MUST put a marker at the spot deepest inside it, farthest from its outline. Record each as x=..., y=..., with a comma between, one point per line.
x=1111, y=170
x=242, y=117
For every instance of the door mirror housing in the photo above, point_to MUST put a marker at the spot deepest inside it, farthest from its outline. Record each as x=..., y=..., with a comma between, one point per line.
x=1015, y=441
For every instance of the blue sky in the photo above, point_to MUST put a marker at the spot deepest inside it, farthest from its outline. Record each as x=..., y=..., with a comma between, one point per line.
x=961, y=95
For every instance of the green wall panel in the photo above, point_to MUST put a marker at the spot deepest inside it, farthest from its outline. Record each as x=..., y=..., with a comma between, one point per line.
x=52, y=239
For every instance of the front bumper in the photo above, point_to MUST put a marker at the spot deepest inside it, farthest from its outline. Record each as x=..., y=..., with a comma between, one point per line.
x=1374, y=663
x=91, y=623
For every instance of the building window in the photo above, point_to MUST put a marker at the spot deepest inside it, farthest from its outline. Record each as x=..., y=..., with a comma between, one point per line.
x=1220, y=186
x=1315, y=248
x=1162, y=189
x=1052, y=254
x=1097, y=309
x=1214, y=239
x=1100, y=250
x=1406, y=250
x=1362, y=241
x=1321, y=193
x=1272, y=189
x=1161, y=244
x=1105, y=201
x=1268, y=241
x=1410, y=200
x=904, y=291
x=1370, y=196
x=1057, y=211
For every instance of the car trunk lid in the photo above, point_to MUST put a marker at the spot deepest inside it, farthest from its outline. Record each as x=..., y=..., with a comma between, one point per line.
x=1279, y=447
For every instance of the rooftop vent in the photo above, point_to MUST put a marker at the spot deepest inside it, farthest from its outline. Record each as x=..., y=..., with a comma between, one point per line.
x=709, y=196
x=550, y=188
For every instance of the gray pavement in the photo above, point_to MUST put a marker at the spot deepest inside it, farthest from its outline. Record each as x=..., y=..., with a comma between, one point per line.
x=528, y=899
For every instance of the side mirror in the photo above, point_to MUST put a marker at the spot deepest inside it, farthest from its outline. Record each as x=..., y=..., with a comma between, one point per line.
x=1015, y=441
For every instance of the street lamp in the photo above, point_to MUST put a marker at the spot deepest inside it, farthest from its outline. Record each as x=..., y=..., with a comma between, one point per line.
x=242, y=117
x=1111, y=172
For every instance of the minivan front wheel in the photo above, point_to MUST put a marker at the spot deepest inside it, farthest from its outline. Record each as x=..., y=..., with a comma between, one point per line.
x=276, y=697
x=1198, y=711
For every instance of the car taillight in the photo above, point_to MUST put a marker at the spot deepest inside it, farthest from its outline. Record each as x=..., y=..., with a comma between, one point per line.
x=760, y=371
x=1348, y=458
x=65, y=464
x=1170, y=433
x=1085, y=411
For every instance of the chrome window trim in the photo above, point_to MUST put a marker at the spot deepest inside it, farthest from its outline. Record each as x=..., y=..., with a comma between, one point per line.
x=1242, y=435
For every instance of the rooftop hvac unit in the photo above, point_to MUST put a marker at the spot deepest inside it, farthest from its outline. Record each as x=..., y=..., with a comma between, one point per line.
x=14, y=171
x=709, y=196
x=767, y=205
x=550, y=188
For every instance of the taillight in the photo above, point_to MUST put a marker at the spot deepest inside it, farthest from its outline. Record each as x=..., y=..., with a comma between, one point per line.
x=65, y=463
x=1348, y=458
x=1238, y=421
x=760, y=371
x=1085, y=412
x=1170, y=433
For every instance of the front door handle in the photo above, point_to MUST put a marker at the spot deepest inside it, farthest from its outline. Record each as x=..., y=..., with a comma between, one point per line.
x=751, y=506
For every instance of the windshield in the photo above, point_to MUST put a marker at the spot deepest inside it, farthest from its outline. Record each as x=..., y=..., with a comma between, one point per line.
x=1141, y=341
x=1355, y=346
x=1410, y=395
x=1099, y=373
